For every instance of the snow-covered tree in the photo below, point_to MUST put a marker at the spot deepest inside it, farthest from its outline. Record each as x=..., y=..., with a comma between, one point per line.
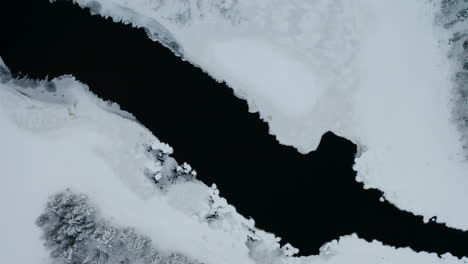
x=75, y=235
x=66, y=223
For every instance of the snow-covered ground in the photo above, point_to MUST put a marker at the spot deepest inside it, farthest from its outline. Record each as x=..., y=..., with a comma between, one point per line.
x=57, y=135
x=375, y=72
x=48, y=146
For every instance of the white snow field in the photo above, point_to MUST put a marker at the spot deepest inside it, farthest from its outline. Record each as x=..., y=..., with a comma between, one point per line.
x=376, y=72
x=58, y=135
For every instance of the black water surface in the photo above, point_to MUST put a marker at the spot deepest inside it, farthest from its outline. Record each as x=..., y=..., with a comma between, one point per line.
x=306, y=199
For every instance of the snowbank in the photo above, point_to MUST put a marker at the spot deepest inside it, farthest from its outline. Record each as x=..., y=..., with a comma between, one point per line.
x=350, y=249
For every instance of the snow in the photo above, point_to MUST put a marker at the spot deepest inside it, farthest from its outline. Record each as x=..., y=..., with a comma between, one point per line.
x=81, y=144
x=263, y=66
x=413, y=150
x=95, y=152
x=163, y=147
x=350, y=249
x=374, y=72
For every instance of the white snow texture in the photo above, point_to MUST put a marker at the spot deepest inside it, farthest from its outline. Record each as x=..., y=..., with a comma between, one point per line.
x=374, y=71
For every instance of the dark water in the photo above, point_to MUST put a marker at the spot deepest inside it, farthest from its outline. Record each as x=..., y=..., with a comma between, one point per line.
x=305, y=199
